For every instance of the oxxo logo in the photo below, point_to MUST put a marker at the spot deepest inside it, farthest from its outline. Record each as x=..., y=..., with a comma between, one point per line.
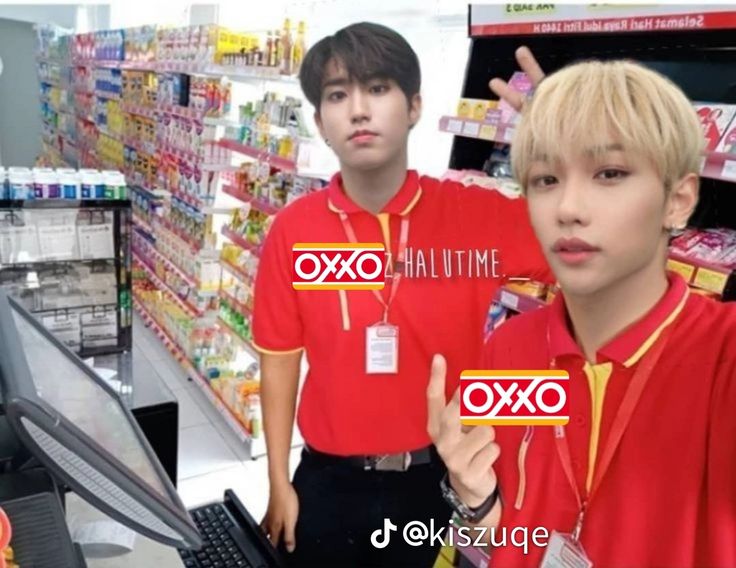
x=518, y=398
x=338, y=266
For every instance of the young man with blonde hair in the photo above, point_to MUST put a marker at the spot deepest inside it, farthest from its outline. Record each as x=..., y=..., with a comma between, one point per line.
x=644, y=473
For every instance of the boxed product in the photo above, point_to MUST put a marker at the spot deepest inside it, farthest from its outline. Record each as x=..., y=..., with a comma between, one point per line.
x=521, y=83
x=475, y=108
x=714, y=119
x=715, y=246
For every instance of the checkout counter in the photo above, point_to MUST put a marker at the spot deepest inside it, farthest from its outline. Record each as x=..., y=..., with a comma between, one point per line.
x=72, y=452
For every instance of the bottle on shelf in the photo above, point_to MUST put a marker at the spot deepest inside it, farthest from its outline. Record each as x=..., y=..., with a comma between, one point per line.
x=285, y=47
x=275, y=50
x=269, y=50
x=300, y=48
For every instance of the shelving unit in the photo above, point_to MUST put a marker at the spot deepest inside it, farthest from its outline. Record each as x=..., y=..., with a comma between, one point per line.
x=282, y=164
x=257, y=445
x=240, y=241
x=182, y=202
x=69, y=261
x=266, y=208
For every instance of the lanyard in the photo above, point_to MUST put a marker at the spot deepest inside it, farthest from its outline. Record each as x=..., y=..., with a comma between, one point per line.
x=395, y=274
x=620, y=422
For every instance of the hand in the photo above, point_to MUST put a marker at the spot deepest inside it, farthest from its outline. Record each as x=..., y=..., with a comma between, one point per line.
x=530, y=66
x=281, y=516
x=469, y=452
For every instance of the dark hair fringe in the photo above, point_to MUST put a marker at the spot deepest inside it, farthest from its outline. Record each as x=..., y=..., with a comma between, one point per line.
x=366, y=51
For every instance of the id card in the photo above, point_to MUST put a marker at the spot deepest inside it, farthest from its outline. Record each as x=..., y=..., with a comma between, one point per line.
x=562, y=552
x=381, y=349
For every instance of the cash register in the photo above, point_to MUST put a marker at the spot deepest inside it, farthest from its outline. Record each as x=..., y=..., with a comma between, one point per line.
x=63, y=416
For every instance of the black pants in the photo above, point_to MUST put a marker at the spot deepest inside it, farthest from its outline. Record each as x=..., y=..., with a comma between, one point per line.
x=341, y=506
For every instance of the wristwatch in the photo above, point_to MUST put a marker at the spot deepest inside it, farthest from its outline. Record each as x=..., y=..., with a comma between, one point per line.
x=466, y=513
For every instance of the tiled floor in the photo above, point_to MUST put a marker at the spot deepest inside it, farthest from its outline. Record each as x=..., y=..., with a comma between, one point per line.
x=211, y=458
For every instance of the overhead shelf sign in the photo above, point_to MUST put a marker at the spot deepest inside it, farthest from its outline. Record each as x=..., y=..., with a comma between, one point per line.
x=532, y=19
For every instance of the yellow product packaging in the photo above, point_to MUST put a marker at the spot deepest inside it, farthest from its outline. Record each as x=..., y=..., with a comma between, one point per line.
x=531, y=288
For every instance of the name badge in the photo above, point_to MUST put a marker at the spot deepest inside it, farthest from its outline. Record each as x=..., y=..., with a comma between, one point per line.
x=382, y=349
x=563, y=552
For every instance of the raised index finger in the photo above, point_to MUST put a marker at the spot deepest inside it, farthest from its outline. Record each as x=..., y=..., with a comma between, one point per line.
x=436, y=400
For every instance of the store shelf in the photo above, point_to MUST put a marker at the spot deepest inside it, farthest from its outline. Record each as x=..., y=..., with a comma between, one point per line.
x=181, y=154
x=240, y=241
x=219, y=168
x=518, y=302
x=211, y=121
x=239, y=430
x=700, y=274
x=181, y=112
x=266, y=208
x=190, y=280
x=142, y=225
x=140, y=146
x=106, y=95
x=244, y=277
x=223, y=325
x=109, y=134
x=477, y=129
x=195, y=246
x=152, y=194
x=283, y=164
x=111, y=64
x=139, y=110
x=6, y=204
x=190, y=310
x=238, y=73
x=235, y=304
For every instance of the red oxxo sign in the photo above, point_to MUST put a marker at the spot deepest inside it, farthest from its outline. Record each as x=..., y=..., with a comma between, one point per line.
x=514, y=398
x=338, y=266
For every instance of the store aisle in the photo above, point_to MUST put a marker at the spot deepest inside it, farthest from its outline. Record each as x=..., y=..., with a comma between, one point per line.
x=211, y=458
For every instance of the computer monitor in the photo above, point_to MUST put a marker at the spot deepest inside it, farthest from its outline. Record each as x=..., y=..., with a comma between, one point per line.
x=79, y=429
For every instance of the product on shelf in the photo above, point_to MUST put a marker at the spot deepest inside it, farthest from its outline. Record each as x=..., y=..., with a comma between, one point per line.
x=46, y=183
x=712, y=246
x=243, y=261
x=140, y=43
x=300, y=48
x=250, y=224
x=140, y=88
x=715, y=119
x=475, y=108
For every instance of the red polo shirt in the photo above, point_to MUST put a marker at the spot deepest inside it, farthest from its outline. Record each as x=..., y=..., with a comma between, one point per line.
x=440, y=306
x=668, y=497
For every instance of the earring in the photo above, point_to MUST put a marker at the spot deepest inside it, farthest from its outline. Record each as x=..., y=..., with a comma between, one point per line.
x=675, y=231
x=327, y=142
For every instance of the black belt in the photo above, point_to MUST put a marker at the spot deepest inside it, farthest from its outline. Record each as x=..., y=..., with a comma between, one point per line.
x=401, y=461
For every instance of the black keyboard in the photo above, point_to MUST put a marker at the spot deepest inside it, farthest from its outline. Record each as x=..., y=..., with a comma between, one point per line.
x=222, y=546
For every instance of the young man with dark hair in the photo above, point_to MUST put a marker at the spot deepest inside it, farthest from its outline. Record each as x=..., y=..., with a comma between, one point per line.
x=368, y=456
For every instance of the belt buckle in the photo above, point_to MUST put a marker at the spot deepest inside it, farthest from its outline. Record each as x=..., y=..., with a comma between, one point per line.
x=390, y=462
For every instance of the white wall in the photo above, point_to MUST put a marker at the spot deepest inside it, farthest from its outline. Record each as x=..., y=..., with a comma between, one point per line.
x=437, y=30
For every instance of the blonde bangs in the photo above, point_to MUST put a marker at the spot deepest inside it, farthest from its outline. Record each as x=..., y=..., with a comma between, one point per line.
x=588, y=105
